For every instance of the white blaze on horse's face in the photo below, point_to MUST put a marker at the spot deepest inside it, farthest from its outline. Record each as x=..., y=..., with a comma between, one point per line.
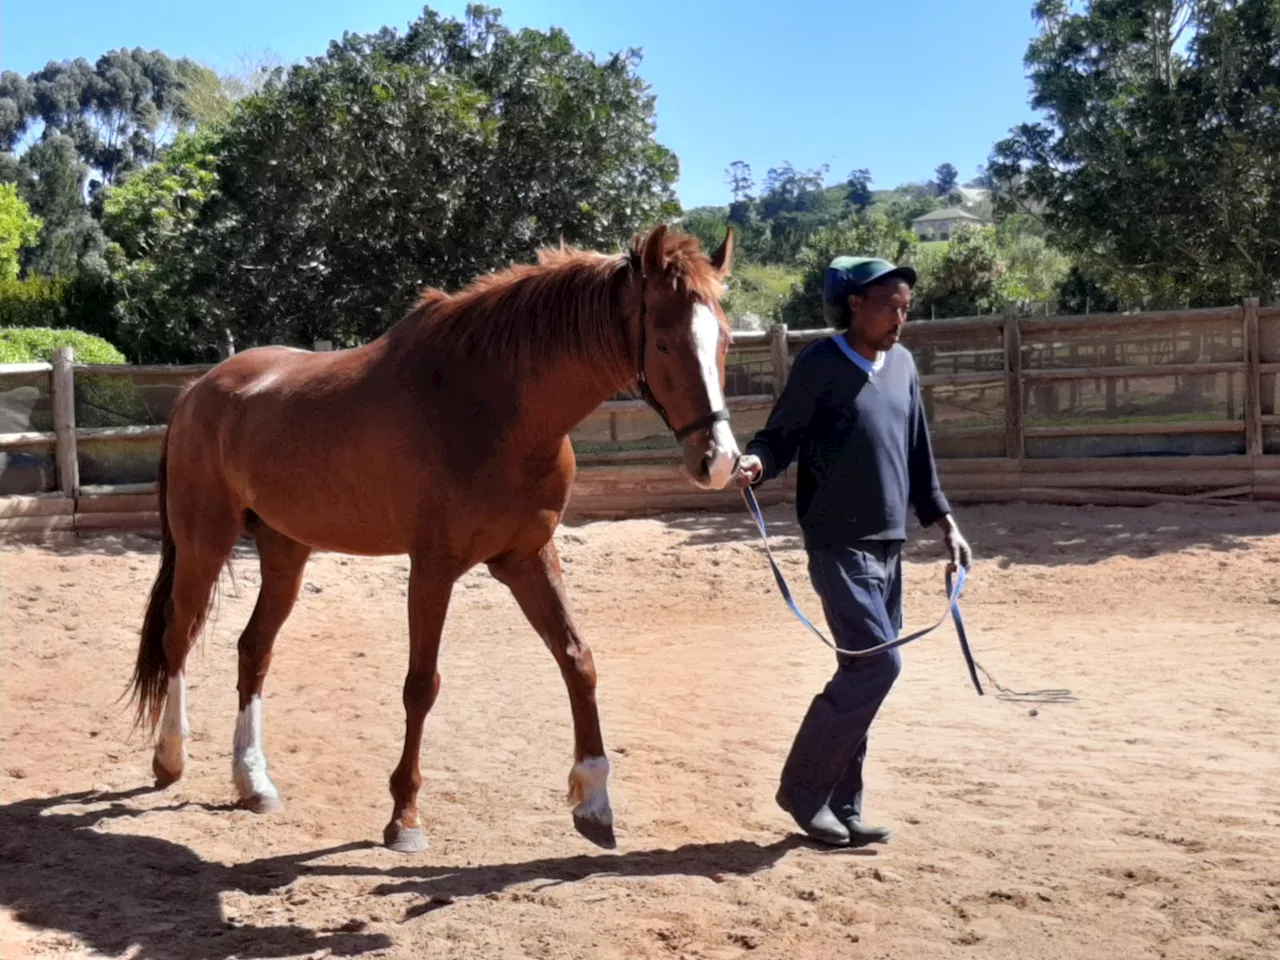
x=722, y=452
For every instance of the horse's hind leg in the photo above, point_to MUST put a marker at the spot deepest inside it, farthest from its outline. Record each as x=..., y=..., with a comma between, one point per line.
x=198, y=562
x=536, y=583
x=282, y=562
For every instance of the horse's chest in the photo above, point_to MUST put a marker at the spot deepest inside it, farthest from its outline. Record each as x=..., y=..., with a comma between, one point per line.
x=518, y=511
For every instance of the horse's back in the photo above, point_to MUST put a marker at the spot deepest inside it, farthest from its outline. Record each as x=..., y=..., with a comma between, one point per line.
x=366, y=450
x=261, y=370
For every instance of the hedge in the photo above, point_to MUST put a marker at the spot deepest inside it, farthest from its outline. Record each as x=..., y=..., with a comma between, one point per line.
x=34, y=302
x=36, y=344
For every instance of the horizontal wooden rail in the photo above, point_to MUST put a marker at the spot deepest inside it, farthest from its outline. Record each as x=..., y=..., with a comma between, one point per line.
x=1135, y=429
x=142, y=432
x=23, y=369
x=918, y=328
x=1134, y=372
x=1038, y=326
x=122, y=489
x=981, y=379
x=749, y=402
x=37, y=505
x=146, y=370
x=33, y=438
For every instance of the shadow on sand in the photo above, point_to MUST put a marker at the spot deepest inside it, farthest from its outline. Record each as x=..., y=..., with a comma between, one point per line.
x=117, y=890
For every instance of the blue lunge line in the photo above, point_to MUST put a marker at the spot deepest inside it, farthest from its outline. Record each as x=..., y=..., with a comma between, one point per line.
x=953, y=604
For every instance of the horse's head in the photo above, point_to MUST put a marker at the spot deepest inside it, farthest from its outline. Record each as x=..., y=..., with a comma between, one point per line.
x=682, y=340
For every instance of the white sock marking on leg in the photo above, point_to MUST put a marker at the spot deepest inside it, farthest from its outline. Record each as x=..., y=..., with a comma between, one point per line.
x=249, y=767
x=593, y=774
x=171, y=746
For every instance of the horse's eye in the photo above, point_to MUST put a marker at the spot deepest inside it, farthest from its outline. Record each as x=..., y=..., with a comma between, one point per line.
x=662, y=345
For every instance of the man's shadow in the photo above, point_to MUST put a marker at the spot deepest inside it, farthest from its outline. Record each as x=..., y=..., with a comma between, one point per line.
x=117, y=890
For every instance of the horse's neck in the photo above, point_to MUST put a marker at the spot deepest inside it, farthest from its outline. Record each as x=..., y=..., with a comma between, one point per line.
x=562, y=396
x=554, y=395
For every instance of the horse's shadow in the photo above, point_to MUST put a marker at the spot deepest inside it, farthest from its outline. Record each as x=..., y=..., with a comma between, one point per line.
x=116, y=891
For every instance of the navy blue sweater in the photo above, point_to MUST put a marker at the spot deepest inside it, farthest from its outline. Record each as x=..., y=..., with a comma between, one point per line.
x=863, y=446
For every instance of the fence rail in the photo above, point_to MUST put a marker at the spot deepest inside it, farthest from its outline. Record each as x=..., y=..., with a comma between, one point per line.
x=1063, y=409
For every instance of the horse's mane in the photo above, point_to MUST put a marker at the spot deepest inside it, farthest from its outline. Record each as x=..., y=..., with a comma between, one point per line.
x=571, y=300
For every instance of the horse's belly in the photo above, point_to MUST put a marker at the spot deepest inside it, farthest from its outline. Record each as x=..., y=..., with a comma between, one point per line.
x=337, y=530
x=336, y=507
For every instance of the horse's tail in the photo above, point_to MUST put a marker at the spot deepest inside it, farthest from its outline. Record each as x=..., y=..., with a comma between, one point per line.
x=149, y=685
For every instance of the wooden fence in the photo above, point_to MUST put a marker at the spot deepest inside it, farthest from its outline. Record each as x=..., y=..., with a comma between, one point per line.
x=1105, y=409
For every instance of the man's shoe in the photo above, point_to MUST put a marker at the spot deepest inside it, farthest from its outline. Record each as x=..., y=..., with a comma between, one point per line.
x=860, y=834
x=824, y=826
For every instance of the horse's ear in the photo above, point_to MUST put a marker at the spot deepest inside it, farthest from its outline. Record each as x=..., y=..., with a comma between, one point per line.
x=722, y=259
x=654, y=257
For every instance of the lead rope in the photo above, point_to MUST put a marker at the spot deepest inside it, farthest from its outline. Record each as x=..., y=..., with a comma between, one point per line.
x=954, y=588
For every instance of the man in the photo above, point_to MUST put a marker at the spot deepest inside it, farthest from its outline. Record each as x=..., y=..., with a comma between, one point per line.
x=851, y=413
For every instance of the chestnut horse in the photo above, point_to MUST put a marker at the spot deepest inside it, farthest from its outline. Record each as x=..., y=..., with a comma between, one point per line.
x=445, y=439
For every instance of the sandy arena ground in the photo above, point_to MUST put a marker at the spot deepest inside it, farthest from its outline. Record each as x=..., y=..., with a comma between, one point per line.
x=1142, y=821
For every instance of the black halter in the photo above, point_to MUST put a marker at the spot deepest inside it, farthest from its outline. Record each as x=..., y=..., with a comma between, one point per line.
x=710, y=419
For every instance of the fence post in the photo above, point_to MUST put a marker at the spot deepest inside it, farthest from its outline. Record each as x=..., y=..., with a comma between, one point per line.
x=1252, y=380
x=779, y=356
x=323, y=346
x=62, y=385
x=1014, y=444
x=227, y=347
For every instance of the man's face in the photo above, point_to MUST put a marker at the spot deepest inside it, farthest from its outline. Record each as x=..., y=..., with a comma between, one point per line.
x=879, y=313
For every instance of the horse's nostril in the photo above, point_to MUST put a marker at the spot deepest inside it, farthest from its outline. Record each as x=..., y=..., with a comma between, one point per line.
x=704, y=468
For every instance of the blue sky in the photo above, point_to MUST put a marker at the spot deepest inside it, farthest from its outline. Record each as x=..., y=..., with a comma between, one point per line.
x=894, y=87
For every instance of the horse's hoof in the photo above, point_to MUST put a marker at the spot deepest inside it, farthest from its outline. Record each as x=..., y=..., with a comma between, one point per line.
x=404, y=839
x=262, y=803
x=601, y=834
x=164, y=778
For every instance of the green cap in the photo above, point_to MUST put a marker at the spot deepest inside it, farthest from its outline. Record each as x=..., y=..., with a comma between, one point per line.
x=848, y=275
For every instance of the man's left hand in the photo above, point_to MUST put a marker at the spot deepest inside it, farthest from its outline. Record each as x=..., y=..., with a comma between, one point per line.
x=957, y=546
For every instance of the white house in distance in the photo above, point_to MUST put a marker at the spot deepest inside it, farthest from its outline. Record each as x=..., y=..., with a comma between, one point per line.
x=941, y=224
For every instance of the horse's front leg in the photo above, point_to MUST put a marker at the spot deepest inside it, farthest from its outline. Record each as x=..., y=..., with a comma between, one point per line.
x=430, y=584
x=536, y=583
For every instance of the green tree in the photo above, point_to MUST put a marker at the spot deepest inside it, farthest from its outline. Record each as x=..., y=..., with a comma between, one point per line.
x=151, y=218
x=17, y=101
x=794, y=205
x=1033, y=273
x=741, y=183
x=756, y=294
x=707, y=224
x=18, y=228
x=1080, y=293
x=1155, y=163
x=960, y=278
x=875, y=235
x=860, y=196
x=118, y=111
x=51, y=179
x=97, y=122
x=401, y=160
x=945, y=179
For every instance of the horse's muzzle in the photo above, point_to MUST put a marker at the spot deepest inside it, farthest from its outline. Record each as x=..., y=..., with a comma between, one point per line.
x=710, y=455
